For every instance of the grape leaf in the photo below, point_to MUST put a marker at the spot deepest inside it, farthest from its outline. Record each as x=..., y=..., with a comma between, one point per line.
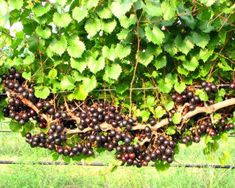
x=160, y=62
x=40, y=10
x=177, y=118
x=58, y=46
x=202, y=95
x=171, y=130
x=92, y=26
x=108, y=27
x=120, y=7
x=169, y=9
x=16, y=4
x=191, y=65
x=42, y=92
x=80, y=65
x=201, y=39
x=112, y=72
x=67, y=83
x=52, y=74
x=27, y=75
x=44, y=33
x=79, y=13
x=62, y=20
x=154, y=35
x=75, y=47
x=126, y=22
x=180, y=87
x=105, y=13
x=89, y=83
x=96, y=65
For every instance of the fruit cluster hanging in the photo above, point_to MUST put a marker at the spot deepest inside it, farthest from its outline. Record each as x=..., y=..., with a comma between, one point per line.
x=100, y=124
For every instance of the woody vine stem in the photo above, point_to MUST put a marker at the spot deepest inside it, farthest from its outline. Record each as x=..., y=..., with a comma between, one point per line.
x=105, y=126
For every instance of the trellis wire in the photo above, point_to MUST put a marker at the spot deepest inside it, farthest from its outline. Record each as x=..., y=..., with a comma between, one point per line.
x=95, y=164
x=134, y=89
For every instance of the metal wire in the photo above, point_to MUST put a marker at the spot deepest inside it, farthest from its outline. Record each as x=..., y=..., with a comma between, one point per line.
x=95, y=164
x=134, y=89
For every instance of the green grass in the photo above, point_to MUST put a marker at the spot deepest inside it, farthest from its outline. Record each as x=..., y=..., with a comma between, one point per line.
x=13, y=147
x=76, y=176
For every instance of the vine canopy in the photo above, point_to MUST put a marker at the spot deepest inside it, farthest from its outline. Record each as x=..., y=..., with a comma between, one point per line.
x=82, y=47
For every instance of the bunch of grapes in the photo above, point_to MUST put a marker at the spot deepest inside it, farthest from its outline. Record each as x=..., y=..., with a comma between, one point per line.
x=100, y=124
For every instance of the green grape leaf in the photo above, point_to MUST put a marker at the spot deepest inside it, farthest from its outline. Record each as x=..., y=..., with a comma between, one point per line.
x=161, y=165
x=201, y=39
x=62, y=20
x=92, y=26
x=208, y=3
x=202, y=95
x=153, y=8
x=224, y=65
x=75, y=47
x=89, y=83
x=80, y=65
x=80, y=93
x=44, y=33
x=67, y=83
x=159, y=112
x=29, y=59
x=169, y=105
x=179, y=87
x=154, y=35
x=108, y=27
x=27, y=75
x=112, y=72
x=191, y=65
x=52, y=74
x=182, y=71
x=146, y=57
x=41, y=92
x=122, y=51
x=91, y=4
x=171, y=130
x=120, y=7
x=160, y=62
x=58, y=46
x=60, y=2
x=144, y=114
x=96, y=65
x=16, y=4
x=126, y=22
x=184, y=45
x=40, y=10
x=123, y=34
x=164, y=86
x=150, y=101
x=15, y=126
x=66, y=159
x=105, y=13
x=55, y=156
x=109, y=52
x=224, y=157
x=169, y=9
x=79, y=13
x=4, y=14
x=177, y=117
x=220, y=95
x=204, y=54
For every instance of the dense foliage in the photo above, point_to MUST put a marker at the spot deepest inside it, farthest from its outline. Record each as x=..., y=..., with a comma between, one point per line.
x=145, y=56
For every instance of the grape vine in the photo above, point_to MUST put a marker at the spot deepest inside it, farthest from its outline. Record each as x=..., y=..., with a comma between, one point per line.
x=135, y=77
x=98, y=124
